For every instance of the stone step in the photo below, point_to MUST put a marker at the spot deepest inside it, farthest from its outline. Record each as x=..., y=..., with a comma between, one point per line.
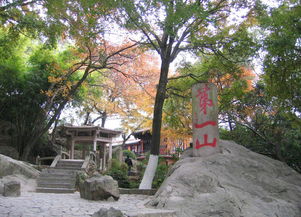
x=70, y=162
x=56, y=180
x=55, y=190
x=59, y=171
x=57, y=185
x=60, y=179
x=69, y=167
x=48, y=177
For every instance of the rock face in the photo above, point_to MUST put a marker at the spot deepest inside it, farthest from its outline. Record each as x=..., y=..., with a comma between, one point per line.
x=236, y=183
x=11, y=189
x=17, y=171
x=10, y=166
x=99, y=188
x=108, y=213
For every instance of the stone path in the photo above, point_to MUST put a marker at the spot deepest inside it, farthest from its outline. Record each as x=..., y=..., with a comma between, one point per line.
x=31, y=204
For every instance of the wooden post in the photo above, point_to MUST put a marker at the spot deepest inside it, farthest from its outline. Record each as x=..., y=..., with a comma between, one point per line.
x=205, y=120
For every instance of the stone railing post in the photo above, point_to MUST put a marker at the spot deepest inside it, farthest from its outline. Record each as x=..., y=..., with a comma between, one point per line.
x=205, y=120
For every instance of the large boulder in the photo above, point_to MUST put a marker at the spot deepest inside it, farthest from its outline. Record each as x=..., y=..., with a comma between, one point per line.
x=17, y=171
x=236, y=182
x=99, y=187
x=11, y=166
x=108, y=213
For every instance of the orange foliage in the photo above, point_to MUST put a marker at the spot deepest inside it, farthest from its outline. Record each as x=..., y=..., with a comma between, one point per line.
x=226, y=80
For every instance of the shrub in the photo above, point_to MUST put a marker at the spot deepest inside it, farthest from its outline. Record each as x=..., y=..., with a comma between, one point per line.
x=119, y=172
x=129, y=153
x=160, y=175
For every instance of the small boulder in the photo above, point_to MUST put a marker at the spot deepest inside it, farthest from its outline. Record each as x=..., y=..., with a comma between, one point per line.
x=12, y=189
x=99, y=188
x=108, y=213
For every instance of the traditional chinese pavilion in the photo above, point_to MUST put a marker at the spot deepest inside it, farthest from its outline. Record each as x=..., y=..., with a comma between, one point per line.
x=144, y=141
x=92, y=138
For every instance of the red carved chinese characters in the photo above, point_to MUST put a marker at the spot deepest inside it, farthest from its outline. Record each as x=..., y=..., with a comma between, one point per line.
x=206, y=143
x=213, y=123
x=204, y=101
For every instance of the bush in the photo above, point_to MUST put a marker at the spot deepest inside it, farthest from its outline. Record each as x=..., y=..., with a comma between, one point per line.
x=129, y=153
x=160, y=175
x=119, y=172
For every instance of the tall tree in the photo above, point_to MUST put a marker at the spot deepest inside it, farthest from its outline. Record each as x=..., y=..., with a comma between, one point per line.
x=79, y=22
x=169, y=27
x=282, y=44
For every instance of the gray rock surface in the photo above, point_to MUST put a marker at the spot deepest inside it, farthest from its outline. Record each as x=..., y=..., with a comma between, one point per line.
x=99, y=188
x=108, y=213
x=11, y=189
x=14, y=170
x=10, y=166
x=236, y=183
x=27, y=184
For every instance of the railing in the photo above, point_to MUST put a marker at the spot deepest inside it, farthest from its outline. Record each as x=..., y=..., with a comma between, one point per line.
x=89, y=159
x=56, y=159
x=62, y=155
x=65, y=155
x=39, y=160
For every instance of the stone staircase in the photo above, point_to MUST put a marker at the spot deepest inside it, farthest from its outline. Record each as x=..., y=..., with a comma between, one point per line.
x=61, y=178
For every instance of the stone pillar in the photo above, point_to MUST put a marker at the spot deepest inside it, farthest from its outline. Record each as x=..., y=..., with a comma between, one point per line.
x=110, y=156
x=85, y=150
x=205, y=120
x=110, y=151
x=100, y=157
x=104, y=157
x=72, y=149
x=94, y=145
x=120, y=154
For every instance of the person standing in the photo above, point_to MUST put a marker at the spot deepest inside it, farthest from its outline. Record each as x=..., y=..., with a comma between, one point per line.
x=129, y=162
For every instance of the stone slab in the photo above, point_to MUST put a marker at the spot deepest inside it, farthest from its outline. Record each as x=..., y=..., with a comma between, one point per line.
x=205, y=120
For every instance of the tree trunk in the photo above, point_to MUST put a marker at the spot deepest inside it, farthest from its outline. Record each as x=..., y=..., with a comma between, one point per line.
x=103, y=119
x=43, y=129
x=29, y=146
x=87, y=118
x=150, y=171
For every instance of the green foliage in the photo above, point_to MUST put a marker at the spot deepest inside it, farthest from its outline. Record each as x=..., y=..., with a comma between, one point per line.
x=282, y=43
x=119, y=172
x=129, y=153
x=160, y=175
x=265, y=127
x=24, y=84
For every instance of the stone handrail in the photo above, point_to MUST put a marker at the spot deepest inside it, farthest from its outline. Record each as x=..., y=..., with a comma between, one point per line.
x=62, y=155
x=88, y=159
x=40, y=159
x=65, y=155
x=56, y=159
